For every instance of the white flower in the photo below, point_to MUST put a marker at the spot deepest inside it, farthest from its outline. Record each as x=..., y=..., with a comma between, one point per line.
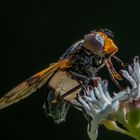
x=133, y=76
x=100, y=105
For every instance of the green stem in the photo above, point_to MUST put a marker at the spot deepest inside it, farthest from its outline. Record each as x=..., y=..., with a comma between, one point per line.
x=112, y=125
x=134, y=130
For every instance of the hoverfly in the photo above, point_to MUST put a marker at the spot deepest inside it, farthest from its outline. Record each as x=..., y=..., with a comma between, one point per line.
x=70, y=74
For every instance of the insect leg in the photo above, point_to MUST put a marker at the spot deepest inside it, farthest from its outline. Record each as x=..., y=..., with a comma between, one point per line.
x=70, y=91
x=119, y=60
x=78, y=75
x=111, y=70
x=100, y=67
x=47, y=103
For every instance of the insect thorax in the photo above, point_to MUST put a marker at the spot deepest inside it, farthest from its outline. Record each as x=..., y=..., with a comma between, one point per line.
x=85, y=63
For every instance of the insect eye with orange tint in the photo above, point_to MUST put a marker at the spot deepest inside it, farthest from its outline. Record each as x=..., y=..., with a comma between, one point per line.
x=94, y=41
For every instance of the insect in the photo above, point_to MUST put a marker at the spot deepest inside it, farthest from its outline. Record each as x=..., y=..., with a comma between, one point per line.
x=70, y=74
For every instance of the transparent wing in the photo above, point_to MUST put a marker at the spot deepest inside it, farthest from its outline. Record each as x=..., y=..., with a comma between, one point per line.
x=30, y=85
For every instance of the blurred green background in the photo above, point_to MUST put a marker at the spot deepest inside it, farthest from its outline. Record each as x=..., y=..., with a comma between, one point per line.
x=35, y=33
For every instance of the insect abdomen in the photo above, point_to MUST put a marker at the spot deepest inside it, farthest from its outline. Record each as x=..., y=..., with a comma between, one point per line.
x=60, y=84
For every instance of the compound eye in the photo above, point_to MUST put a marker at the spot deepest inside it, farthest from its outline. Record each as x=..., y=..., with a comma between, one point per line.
x=99, y=39
x=94, y=42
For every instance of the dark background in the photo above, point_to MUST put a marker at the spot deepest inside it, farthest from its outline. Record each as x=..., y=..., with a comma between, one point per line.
x=34, y=33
